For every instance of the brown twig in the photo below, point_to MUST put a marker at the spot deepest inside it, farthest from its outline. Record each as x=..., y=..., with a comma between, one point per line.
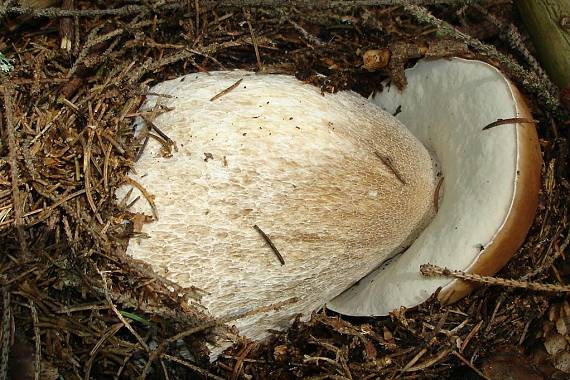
x=270, y=243
x=87, y=173
x=468, y=364
x=14, y=172
x=195, y=368
x=512, y=120
x=429, y=362
x=119, y=315
x=37, y=341
x=253, y=39
x=130, y=10
x=470, y=336
x=6, y=333
x=388, y=162
x=48, y=210
x=238, y=366
x=306, y=35
x=149, y=197
x=226, y=91
x=93, y=353
x=166, y=142
x=434, y=270
x=415, y=359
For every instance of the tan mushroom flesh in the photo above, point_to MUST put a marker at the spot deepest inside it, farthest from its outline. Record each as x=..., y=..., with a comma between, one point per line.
x=337, y=185
x=489, y=193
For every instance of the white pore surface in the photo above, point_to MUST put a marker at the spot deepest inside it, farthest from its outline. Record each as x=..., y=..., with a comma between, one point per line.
x=304, y=167
x=445, y=105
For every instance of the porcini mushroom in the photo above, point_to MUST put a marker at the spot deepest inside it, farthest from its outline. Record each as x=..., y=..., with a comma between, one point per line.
x=265, y=163
x=333, y=182
x=489, y=193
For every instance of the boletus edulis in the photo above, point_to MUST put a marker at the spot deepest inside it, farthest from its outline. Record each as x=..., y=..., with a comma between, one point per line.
x=275, y=191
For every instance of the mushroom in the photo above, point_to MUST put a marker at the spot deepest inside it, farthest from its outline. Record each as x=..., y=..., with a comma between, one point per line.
x=275, y=192
x=490, y=186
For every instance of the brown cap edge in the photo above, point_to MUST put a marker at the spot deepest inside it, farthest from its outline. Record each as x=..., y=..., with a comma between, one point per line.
x=521, y=216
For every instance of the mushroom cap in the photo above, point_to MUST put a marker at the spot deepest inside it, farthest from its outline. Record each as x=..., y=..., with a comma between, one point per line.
x=490, y=187
x=306, y=168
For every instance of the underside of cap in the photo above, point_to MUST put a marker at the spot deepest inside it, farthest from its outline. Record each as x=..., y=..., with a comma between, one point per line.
x=490, y=185
x=336, y=184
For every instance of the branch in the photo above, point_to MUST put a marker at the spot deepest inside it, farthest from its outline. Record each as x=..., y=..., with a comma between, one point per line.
x=143, y=9
x=528, y=79
x=14, y=172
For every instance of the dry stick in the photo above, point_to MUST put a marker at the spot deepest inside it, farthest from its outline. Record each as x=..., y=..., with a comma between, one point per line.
x=118, y=314
x=226, y=91
x=106, y=167
x=49, y=210
x=19, y=277
x=106, y=335
x=14, y=174
x=149, y=65
x=306, y=35
x=512, y=120
x=429, y=362
x=388, y=162
x=317, y=359
x=95, y=233
x=238, y=366
x=141, y=9
x=468, y=364
x=193, y=367
x=208, y=325
x=46, y=128
x=415, y=359
x=529, y=79
x=164, y=370
x=253, y=39
x=470, y=336
x=6, y=332
x=434, y=270
x=87, y=173
x=149, y=198
x=93, y=39
x=153, y=127
x=495, y=311
x=270, y=243
x=92, y=354
x=113, y=142
x=84, y=50
x=126, y=359
x=38, y=342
